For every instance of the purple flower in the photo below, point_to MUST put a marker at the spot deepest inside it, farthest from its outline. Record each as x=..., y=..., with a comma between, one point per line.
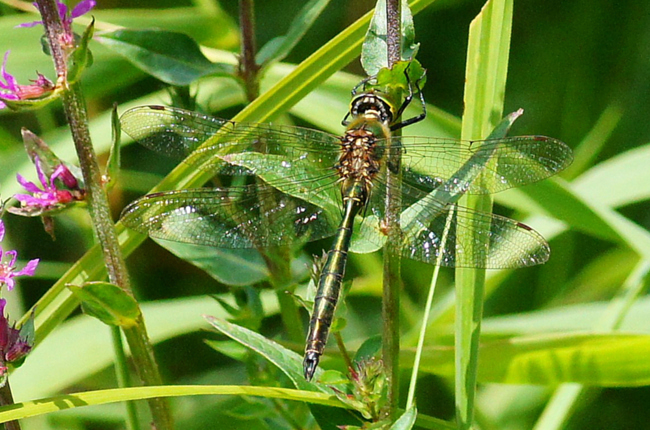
x=49, y=197
x=14, y=345
x=7, y=268
x=11, y=90
x=81, y=8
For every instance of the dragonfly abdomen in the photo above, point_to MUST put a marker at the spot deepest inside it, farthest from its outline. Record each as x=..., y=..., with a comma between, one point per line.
x=329, y=282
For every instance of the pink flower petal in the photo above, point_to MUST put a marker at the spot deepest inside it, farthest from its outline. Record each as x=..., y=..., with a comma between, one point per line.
x=2, y=234
x=41, y=175
x=29, y=269
x=63, y=10
x=29, y=24
x=9, y=282
x=28, y=200
x=14, y=255
x=28, y=185
x=83, y=7
x=10, y=82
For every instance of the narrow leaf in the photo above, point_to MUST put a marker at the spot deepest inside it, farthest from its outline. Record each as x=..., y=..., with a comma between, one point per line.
x=485, y=77
x=81, y=58
x=172, y=57
x=278, y=48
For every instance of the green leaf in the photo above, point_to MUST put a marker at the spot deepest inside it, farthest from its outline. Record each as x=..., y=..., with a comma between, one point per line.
x=75, y=400
x=172, y=57
x=374, y=53
x=92, y=352
x=288, y=361
x=401, y=77
x=279, y=47
x=32, y=104
x=406, y=421
x=485, y=77
x=81, y=58
x=579, y=317
x=603, y=360
x=369, y=348
x=236, y=267
x=290, y=364
x=108, y=303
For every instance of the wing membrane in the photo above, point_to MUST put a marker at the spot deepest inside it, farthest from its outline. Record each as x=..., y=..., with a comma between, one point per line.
x=429, y=163
x=233, y=217
x=179, y=133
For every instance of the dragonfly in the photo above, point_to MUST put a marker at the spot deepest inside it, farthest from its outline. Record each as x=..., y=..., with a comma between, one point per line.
x=284, y=185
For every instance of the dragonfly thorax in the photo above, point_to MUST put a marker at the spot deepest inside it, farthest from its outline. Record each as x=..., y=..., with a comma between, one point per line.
x=358, y=164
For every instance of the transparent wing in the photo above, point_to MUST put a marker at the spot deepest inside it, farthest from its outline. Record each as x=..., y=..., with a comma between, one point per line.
x=432, y=163
x=498, y=242
x=434, y=231
x=233, y=217
x=177, y=133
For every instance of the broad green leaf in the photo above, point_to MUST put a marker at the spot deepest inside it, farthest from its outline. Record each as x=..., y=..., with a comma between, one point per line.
x=556, y=197
x=108, y=303
x=597, y=359
x=172, y=57
x=618, y=181
x=236, y=267
x=374, y=54
x=92, y=351
x=279, y=47
x=579, y=317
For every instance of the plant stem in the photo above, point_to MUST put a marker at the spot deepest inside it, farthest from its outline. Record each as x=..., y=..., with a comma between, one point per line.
x=279, y=264
x=75, y=110
x=123, y=379
x=247, y=67
x=392, y=256
x=7, y=399
x=393, y=31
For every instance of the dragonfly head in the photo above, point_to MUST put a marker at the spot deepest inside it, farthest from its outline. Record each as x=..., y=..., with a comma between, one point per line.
x=372, y=105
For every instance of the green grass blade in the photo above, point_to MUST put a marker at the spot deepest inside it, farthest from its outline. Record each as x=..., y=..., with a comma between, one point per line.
x=23, y=410
x=485, y=77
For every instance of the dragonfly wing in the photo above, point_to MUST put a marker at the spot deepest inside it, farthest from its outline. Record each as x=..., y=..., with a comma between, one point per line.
x=177, y=133
x=170, y=131
x=435, y=231
x=438, y=163
x=441, y=235
x=234, y=217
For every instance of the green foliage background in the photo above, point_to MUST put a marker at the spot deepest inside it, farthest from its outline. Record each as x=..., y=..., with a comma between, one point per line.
x=579, y=69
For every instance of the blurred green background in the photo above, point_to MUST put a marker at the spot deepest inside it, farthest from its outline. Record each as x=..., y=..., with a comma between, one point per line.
x=572, y=65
